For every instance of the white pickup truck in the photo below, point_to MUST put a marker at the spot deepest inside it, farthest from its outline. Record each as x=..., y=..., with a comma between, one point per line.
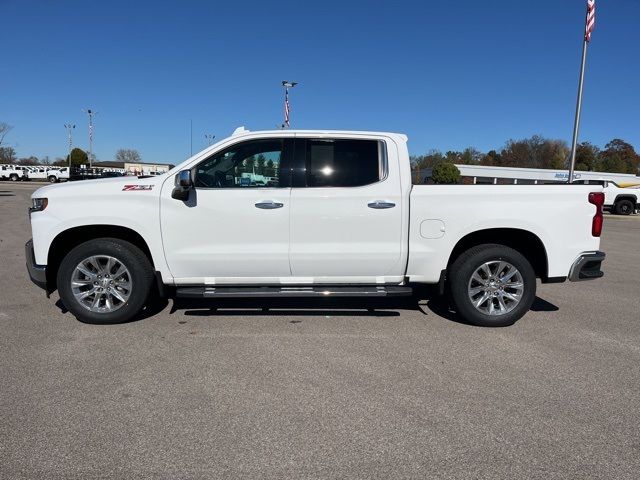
x=338, y=217
x=14, y=172
x=619, y=200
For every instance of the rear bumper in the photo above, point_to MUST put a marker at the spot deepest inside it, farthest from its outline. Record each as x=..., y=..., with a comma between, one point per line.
x=37, y=273
x=587, y=267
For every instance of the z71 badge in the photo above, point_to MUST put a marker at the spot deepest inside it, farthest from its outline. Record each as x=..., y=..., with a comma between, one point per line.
x=128, y=188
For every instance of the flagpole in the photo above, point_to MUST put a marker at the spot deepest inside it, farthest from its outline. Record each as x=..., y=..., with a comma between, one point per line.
x=589, y=24
x=576, y=124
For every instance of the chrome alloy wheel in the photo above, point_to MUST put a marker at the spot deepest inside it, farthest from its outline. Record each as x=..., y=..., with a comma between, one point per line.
x=101, y=283
x=496, y=288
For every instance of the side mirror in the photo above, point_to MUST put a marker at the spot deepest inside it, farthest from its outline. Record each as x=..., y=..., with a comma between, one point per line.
x=183, y=185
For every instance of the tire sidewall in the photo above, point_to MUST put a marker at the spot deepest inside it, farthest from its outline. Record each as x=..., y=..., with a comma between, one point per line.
x=461, y=274
x=130, y=256
x=620, y=206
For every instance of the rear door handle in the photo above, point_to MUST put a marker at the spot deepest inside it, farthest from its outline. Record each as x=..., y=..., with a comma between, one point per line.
x=269, y=205
x=381, y=204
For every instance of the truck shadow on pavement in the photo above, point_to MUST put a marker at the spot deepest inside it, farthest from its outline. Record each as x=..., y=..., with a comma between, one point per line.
x=310, y=307
x=294, y=307
x=440, y=306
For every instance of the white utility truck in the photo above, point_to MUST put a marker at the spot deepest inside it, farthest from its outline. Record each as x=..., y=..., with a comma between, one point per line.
x=58, y=174
x=619, y=200
x=339, y=218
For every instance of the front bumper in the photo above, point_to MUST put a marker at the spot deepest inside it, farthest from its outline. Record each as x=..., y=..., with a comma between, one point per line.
x=37, y=273
x=587, y=267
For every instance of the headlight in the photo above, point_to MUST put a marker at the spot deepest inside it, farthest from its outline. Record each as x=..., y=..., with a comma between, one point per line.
x=38, y=205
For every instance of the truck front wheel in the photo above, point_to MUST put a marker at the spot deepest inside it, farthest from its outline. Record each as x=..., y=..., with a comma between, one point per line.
x=105, y=281
x=492, y=285
x=53, y=179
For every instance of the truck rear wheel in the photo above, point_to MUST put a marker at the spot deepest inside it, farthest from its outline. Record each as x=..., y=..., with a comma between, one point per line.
x=105, y=281
x=492, y=285
x=624, y=207
x=13, y=177
x=52, y=179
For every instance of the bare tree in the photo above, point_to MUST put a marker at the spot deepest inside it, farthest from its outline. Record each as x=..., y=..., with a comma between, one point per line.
x=4, y=129
x=128, y=155
x=7, y=155
x=28, y=161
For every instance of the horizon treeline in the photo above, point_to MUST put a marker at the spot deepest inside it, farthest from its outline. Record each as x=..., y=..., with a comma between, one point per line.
x=617, y=156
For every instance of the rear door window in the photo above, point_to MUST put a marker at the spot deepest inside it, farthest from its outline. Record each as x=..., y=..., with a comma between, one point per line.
x=343, y=162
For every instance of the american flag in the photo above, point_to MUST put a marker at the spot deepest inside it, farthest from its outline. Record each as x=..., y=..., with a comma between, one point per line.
x=591, y=19
x=286, y=108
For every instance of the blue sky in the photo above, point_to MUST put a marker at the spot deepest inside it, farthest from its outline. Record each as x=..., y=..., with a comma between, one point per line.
x=449, y=74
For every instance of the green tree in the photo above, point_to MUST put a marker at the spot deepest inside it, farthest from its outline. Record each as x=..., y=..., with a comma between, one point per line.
x=553, y=154
x=534, y=152
x=249, y=164
x=453, y=157
x=446, y=173
x=587, y=157
x=78, y=157
x=621, y=155
x=260, y=164
x=614, y=164
x=270, y=169
x=492, y=158
x=471, y=156
x=516, y=153
x=431, y=159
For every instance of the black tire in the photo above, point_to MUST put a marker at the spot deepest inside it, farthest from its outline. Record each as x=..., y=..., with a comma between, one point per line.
x=130, y=256
x=52, y=179
x=467, y=263
x=624, y=207
x=13, y=177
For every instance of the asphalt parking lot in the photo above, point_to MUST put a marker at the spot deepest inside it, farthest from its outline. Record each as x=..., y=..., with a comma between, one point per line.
x=322, y=389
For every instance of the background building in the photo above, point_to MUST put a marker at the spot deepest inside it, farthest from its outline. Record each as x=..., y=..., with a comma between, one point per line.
x=129, y=168
x=479, y=174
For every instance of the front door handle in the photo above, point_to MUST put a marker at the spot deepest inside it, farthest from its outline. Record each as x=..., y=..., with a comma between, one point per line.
x=381, y=204
x=269, y=205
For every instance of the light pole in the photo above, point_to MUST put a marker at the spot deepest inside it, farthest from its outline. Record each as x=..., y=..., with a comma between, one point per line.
x=287, y=110
x=209, y=138
x=91, y=113
x=69, y=128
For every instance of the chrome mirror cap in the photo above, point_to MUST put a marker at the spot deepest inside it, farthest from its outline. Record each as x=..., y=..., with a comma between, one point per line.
x=184, y=179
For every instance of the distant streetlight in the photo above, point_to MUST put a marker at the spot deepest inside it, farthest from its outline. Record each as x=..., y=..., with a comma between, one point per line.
x=69, y=128
x=287, y=110
x=209, y=138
